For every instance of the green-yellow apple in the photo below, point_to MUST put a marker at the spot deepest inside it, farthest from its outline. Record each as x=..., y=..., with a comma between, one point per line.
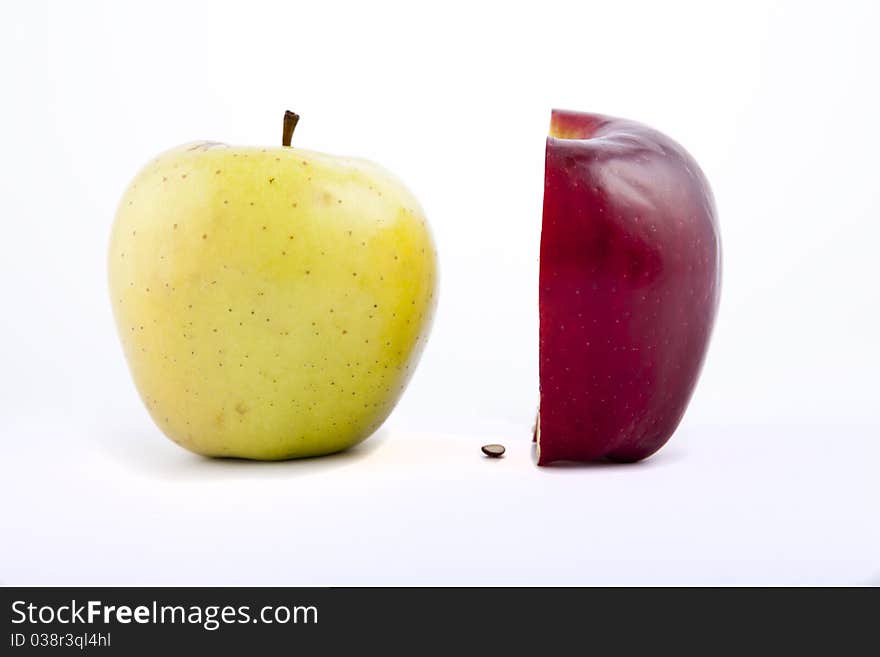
x=272, y=302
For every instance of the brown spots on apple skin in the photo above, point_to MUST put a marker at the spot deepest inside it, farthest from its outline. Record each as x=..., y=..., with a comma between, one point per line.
x=241, y=408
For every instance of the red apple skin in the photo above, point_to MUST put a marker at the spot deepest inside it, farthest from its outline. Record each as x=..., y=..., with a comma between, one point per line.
x=629, y=284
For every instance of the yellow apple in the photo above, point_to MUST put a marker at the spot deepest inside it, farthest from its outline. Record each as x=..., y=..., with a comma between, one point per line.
x=272, y=302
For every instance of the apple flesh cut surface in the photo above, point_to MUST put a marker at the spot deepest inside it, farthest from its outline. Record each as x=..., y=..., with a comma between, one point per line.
x=629, y=285
x=272, y=302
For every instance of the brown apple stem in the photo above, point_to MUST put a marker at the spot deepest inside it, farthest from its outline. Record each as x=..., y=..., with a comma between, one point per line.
x=290, y=120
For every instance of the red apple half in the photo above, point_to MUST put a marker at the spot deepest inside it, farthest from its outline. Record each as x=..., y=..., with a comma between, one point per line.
x=629, y=285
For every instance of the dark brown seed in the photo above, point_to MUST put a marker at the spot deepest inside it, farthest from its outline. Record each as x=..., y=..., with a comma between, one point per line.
x=493, y=450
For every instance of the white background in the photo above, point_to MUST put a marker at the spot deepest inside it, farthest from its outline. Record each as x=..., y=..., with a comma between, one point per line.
x=773, y=475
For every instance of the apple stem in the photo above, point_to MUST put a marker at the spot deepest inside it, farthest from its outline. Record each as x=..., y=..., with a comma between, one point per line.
x=290, y=120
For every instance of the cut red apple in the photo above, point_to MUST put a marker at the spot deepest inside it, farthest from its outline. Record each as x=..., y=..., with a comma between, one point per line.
x=629, y=285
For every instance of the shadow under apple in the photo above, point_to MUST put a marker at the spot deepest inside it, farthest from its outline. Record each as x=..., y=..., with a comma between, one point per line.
x=150, y=454
x=661, y=459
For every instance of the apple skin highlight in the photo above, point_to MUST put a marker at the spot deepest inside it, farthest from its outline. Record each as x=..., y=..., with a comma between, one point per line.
x=629, y=285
